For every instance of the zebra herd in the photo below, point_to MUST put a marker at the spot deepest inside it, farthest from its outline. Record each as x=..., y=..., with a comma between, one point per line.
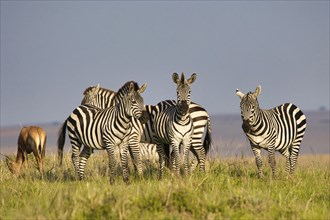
x=107, y=120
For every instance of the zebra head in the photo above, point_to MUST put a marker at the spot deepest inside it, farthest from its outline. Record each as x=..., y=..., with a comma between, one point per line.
x=90, y=97
x=135, y=104
x=249, y=105
x=183, y=91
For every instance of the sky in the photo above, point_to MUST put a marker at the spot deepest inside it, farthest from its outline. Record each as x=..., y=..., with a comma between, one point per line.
x=52, y=50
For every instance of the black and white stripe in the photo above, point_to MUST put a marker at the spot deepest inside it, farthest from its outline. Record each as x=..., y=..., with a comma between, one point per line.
x=107, y=128
x=99, y=97
x=144, y=133
x=279, y=129
x=173, y=125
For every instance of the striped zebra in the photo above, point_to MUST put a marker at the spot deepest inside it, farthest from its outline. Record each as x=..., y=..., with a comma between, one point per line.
x=107, y=128
x=201, y=121
x=99, y=97
x=279, y=129
x=200, y=117
x=173, y=125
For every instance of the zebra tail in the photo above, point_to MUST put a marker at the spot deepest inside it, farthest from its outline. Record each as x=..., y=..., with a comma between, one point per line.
x=60, y=142
x=208, y=137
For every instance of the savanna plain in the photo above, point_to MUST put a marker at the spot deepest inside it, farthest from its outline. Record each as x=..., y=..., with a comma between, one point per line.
x=229, y=189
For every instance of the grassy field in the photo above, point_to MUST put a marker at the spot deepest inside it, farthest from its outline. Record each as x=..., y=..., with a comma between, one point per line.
x=229, y=189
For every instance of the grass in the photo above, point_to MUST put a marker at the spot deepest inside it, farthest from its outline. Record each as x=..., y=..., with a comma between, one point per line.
x=229, y=189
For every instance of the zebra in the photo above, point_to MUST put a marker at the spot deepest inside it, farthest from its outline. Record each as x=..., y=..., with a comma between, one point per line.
x=99, y=97
x=278, y=129
x=99, y=129
x=201, y=121
x=200, y=117
x=173, y=125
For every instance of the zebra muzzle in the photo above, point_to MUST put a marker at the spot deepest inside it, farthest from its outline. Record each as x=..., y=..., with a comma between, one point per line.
x=183, y=107
x=246, y=126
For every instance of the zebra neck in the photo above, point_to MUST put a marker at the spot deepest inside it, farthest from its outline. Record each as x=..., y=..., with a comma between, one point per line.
x=122, y=116
x=259, y=120
x=181, y=119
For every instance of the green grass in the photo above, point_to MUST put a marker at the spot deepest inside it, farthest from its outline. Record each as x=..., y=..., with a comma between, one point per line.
x=229, y=189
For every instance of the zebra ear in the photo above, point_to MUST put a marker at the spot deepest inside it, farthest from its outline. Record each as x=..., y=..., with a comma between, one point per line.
x=142, y=88
x=192, y=78
x=239, y=93
x=97, y=88
x=257, y=91
x=175, y=78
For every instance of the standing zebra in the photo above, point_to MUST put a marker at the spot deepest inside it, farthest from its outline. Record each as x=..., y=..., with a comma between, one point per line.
x=173, y=125
x=279, y=129
x=144, y=133
x=104, y=129
x=201, y=121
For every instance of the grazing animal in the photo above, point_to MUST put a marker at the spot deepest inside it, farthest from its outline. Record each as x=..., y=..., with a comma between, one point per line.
x=144, y=133
x=173, y=125
x=279, y=129
x=30, y=139
x=107, y=128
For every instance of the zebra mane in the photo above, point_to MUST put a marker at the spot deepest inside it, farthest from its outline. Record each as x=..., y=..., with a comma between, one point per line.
x=100, y=90
x=125, y=89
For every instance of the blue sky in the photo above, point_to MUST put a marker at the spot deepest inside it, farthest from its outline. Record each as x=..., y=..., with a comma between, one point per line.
x=52, y=50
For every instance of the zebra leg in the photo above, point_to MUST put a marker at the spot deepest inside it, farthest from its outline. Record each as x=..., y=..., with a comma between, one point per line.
x=84, y=155
x=287, y=164
x=171, y=159
x=75, y=155
x=294, y=157
x=177, y=160
x=135, y=152
x=112, y=163
x=258, y=159
x=161, y=156
x=286, y=154
x=271, y=159
x=168, y=156
x=200, y=154
x=186, y=159
x=124, y=163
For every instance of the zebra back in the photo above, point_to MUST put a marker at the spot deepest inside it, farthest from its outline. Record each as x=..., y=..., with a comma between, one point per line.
x=98, y=97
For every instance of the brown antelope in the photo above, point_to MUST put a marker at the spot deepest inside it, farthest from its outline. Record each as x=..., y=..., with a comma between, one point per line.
x=30, y=139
